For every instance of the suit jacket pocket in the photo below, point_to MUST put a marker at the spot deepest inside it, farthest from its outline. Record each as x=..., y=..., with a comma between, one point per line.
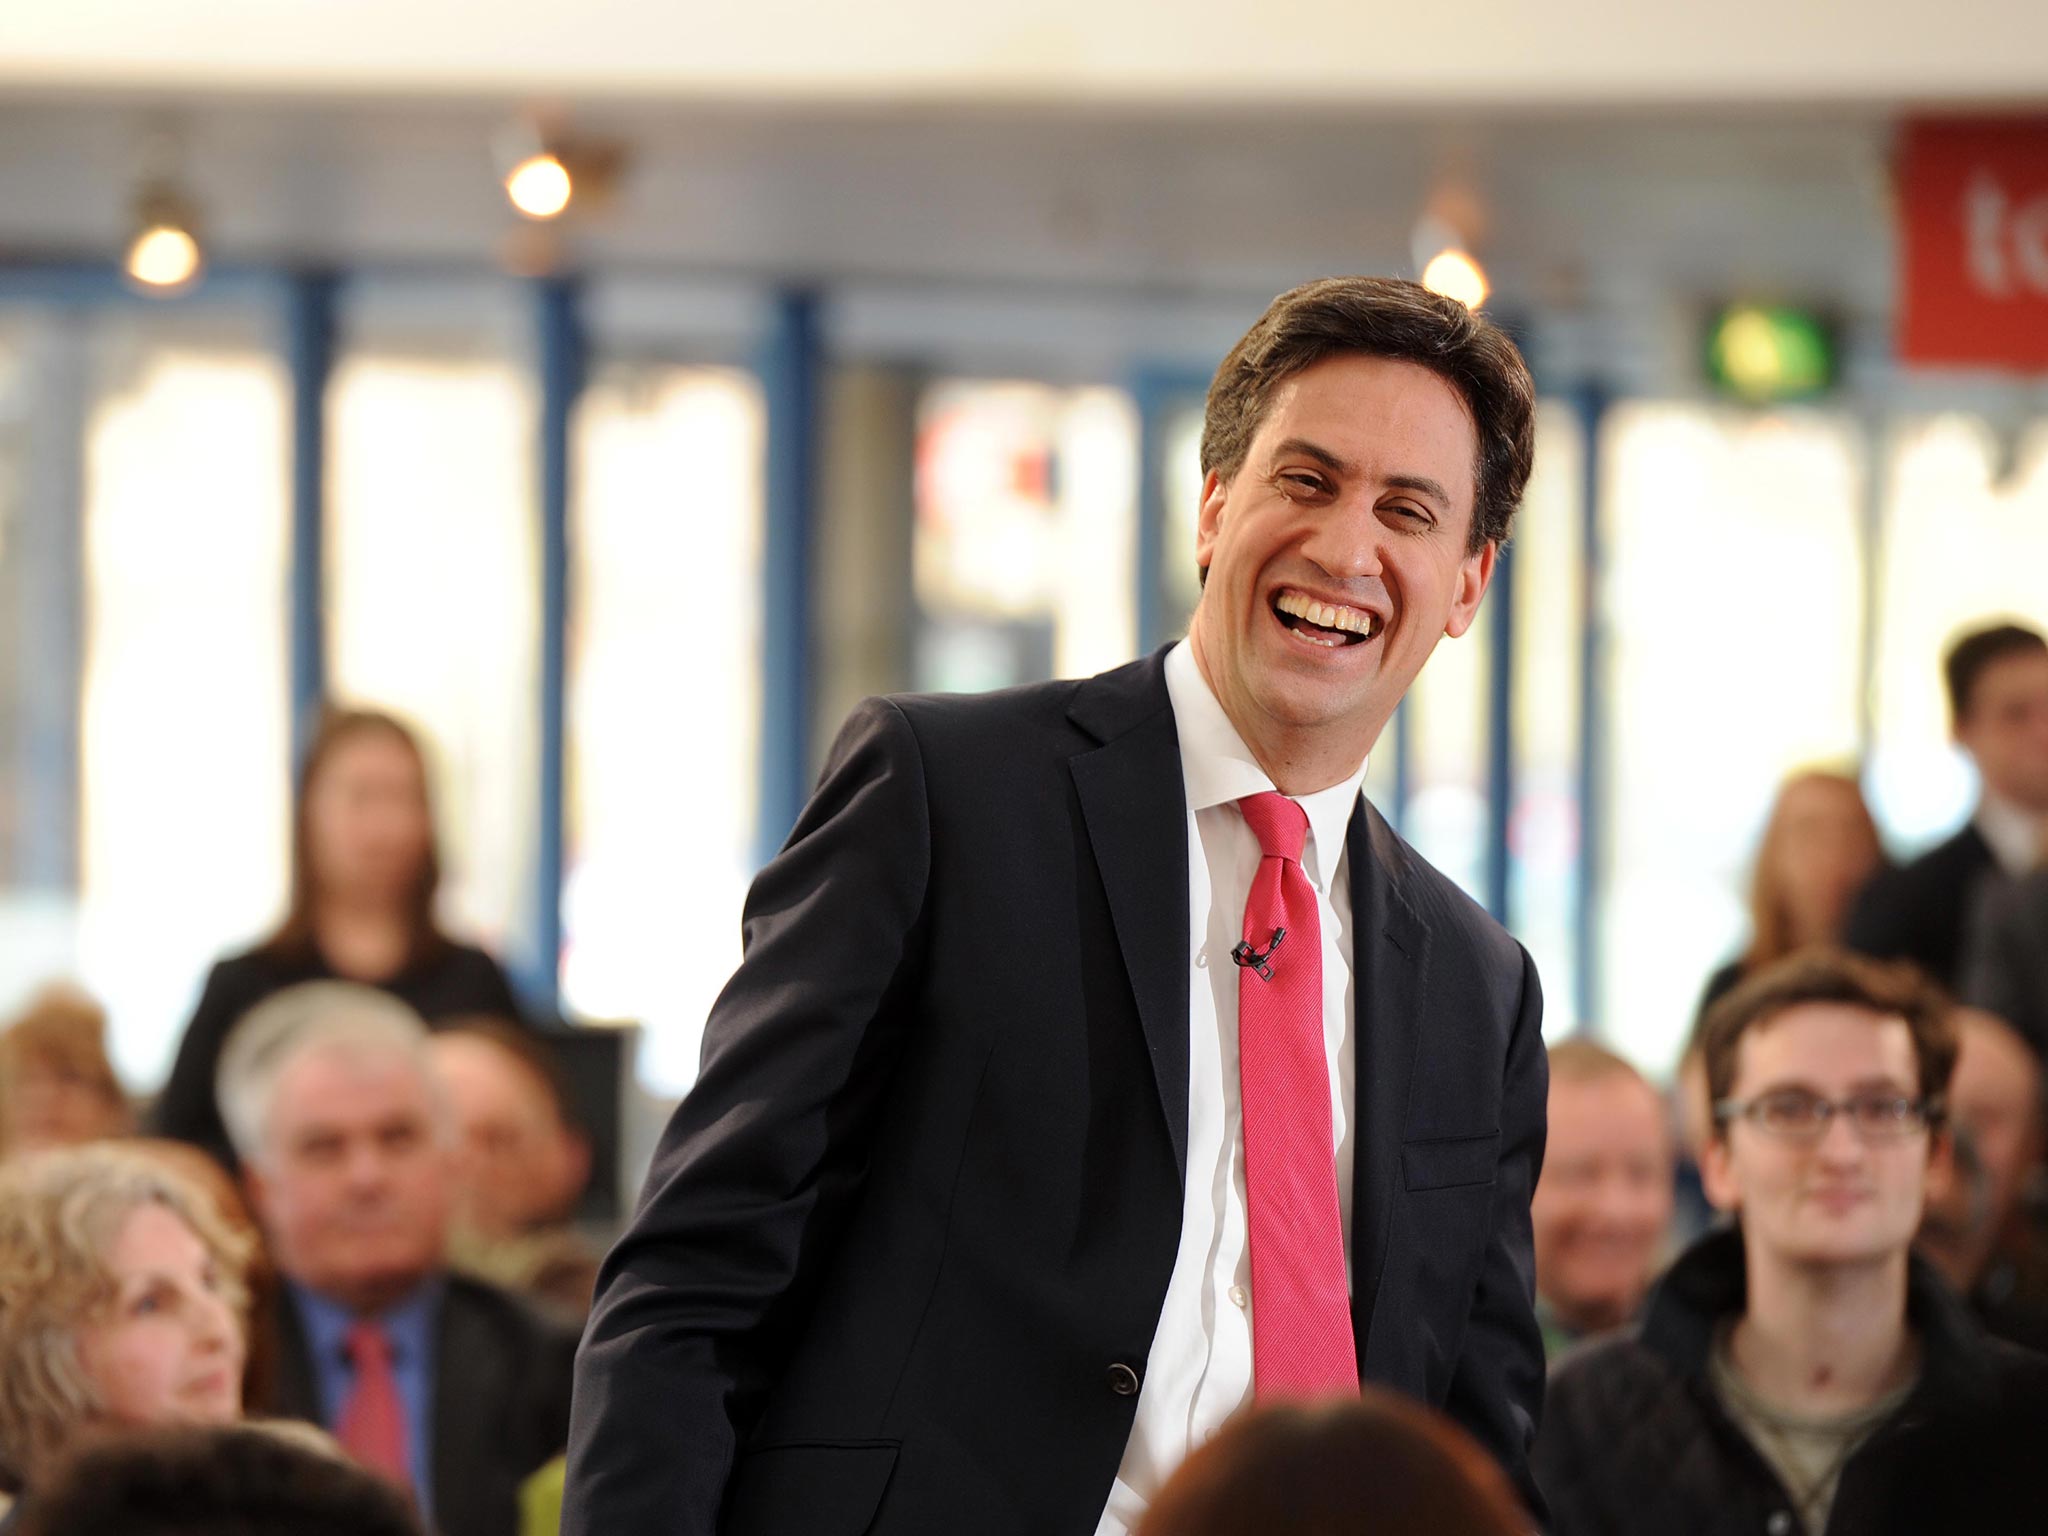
x=1447, y=1162
x=812, y=1488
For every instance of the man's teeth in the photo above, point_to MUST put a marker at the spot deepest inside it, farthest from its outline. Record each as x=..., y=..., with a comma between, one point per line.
x=1353, y=620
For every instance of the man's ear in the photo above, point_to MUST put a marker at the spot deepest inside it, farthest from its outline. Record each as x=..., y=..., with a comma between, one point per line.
x=1475, y=574
x=1941, y=1166
x=1717, y=1174
x=1209, y=517
x=256, y=1190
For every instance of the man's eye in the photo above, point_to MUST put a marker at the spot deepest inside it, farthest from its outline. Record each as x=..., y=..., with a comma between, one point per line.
x=1309, y=484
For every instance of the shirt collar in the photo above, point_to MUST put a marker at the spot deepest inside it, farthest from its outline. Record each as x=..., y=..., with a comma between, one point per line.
x=2014, y=836
x=408, y=1324
x=1216, y=767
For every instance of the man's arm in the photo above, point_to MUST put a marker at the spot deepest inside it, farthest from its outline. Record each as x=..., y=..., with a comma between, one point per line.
x=757, y=1169
x=1497, y=1388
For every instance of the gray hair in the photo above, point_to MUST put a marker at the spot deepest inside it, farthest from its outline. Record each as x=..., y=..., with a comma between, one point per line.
x=59, y=1213
x=316, y=1015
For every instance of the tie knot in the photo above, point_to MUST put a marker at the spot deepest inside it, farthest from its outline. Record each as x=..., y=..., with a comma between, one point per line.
x=1280, y=825
x=368, y=1345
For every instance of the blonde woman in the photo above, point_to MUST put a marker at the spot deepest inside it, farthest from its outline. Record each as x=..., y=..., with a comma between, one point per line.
x=121, y=1304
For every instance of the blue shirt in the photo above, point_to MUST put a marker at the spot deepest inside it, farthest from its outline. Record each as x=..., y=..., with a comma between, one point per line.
x=410, y=1327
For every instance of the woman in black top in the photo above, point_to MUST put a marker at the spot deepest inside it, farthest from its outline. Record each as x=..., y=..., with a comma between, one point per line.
x=364, y=877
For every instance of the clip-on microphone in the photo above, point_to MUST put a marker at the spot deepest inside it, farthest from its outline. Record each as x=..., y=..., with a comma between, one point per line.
x=1256, y=959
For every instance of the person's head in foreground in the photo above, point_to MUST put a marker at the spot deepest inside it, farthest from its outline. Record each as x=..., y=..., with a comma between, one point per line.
x=1602, y=1210
x=121, y=1304
x=1377, y=1465
x=248, y=1480
x=1998, y=708
x=332, y=1106
x=1363, y=452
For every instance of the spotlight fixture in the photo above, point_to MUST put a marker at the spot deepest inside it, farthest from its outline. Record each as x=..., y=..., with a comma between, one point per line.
x=164, y=255
x=1456, y=275
x=540, y=186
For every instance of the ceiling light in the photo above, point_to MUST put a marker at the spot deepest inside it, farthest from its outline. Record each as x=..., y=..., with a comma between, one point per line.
x=1456, y=275
x=539, y=186
x=164, y=257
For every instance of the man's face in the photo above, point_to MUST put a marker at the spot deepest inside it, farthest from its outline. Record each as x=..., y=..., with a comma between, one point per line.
x=1995, y=1095
x=516, y=1165
x=353, y=1183
x=2006, y=729
x=1603, y=1204
x=1841, y=1200
x=1337, y=554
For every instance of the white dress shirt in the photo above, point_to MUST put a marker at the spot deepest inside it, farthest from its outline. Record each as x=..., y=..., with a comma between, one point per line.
x=1200, y=1368
x=2014, y=836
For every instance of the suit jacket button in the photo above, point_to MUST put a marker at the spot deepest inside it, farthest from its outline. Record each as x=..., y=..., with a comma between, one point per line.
x=1123, y=1381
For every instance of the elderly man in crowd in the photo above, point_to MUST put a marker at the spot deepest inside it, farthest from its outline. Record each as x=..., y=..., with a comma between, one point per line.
x=1981, y=1233
x=445, y=1385
x=521, y=1164
x=1804, y=1372
x=1602, y=1211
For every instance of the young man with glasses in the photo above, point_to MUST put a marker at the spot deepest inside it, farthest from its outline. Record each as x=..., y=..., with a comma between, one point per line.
x=1802, y=1372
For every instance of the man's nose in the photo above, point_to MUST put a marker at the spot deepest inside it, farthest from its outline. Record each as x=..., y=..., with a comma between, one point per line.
x=1345, y=541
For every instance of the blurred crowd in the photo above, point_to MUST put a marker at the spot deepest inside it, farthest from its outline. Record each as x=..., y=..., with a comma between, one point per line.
x=331, y=1279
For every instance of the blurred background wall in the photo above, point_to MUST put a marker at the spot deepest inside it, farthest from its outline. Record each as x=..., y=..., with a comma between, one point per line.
x=868, y=353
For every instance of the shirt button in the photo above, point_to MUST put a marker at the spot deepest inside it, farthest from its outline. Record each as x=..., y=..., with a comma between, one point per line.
x=1780, y=1523
x=1240, y=1297
x=1123, y=1381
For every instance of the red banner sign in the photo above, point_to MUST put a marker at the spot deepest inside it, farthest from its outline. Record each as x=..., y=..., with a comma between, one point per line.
x=1973, y=238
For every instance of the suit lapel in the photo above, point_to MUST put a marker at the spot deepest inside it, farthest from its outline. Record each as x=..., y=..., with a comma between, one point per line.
x=1389, y=960
x=1134, y=806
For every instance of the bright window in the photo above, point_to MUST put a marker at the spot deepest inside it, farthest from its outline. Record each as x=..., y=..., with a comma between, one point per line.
x=183, y=747
x=664, y=700
x=1965, y=543
x=1733, y=606
x=1544, y=830
x=433, y=594
x=1023, y=556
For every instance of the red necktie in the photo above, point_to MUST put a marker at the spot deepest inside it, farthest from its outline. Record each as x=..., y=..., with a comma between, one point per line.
x=1301, y=1303
x=372, y=1423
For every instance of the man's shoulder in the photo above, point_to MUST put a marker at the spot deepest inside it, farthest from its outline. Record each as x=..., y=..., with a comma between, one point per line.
x=1440, y=901
x=474, y=1305
x=1611, y=1384
x=1940, y=868
x=1001, y=730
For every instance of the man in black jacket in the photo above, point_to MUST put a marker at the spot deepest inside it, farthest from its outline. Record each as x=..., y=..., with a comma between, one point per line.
x=1998, y=706
x=1804, y=1374
x=957, y=1231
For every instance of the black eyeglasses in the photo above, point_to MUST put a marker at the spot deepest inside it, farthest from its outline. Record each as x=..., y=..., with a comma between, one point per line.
x=1793, y=1114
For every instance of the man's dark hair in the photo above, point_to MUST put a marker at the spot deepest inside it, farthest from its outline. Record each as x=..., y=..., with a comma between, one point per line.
x=1376, y=1462
x=1393, y=318
x=1977, y=651
x=244, y=1480
x=1888, y=989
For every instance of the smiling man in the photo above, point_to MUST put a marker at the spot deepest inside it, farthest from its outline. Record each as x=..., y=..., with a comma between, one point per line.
x=1100, y=1061
x=1804, y=1372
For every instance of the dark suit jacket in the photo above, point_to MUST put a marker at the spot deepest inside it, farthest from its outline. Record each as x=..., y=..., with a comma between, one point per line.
x=455, y=980
x=2006, y=964
x=501, y=1376
x=1921, y=911
x=903, y=1249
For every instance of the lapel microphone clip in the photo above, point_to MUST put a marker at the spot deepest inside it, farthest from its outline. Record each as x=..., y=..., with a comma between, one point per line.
x=1257, y=959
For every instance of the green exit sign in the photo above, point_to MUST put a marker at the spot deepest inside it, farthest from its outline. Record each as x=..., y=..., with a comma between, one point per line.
x=1760, y=353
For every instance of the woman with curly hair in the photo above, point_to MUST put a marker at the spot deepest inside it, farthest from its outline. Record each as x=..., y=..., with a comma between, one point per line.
x=121, y=1305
